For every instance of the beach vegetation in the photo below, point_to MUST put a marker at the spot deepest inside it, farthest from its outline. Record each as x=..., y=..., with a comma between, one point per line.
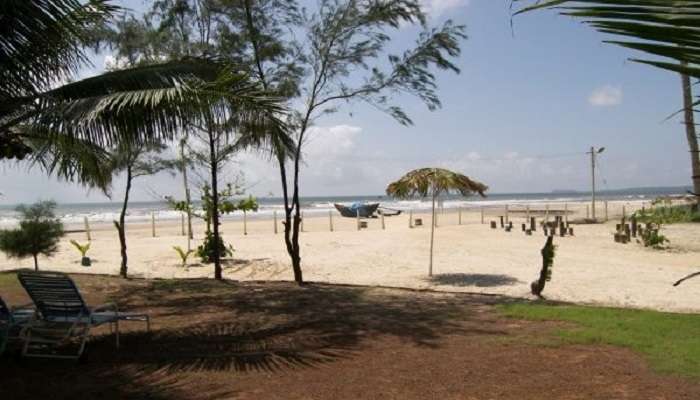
x=184, y=254
x=38, y=234
x=318, y=58
x=82, y=249
x=668, y=214
x=134, y=162
x=665, y=30
x=213, y=246
x=434, y=182
x=669, y=341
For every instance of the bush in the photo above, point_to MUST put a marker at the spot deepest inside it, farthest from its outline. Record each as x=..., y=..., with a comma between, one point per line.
x=206, y=251
x=652, y=238
x=38, y=233
x=668, y=215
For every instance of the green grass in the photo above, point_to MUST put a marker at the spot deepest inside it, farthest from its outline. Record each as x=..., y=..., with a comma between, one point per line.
x=670, y=342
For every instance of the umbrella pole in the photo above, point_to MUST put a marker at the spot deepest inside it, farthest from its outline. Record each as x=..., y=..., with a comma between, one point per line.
x=432, y=236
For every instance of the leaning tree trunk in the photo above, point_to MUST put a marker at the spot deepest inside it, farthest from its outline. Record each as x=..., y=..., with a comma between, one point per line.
x=215, y=205
x=121, y=229
x=432, y=237
x=36, y=263
x=691, y=132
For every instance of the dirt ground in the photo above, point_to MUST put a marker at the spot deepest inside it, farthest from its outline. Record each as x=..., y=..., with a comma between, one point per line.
x=232, y=340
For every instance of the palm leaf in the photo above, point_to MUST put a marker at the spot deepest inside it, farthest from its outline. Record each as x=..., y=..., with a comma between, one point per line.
x=42, y=41
x=662, y=28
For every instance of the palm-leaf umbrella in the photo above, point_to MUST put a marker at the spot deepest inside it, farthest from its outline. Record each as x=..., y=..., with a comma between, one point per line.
x=434, y=182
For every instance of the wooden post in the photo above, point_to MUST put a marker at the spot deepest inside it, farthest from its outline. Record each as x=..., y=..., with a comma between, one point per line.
x=624, y=213
x=358, y=220
x=507, y=219
x=606, y=211
x=588, y=211
x=274, y=216
x=482, y=215
x=382, y=217
x=153, y=224
x=330, y=220
x=460, y=215
x=410, y=218
x=245, y=222
x=546, y=213
x=301, y=224
x=87, y=228
x=527, y=212
x=566, y=213
x=182, y=224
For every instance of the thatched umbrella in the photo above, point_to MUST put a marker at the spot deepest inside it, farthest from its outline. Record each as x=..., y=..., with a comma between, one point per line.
x=434, y=182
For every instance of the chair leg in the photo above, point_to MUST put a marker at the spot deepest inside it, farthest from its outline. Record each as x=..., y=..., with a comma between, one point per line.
x=116, y=326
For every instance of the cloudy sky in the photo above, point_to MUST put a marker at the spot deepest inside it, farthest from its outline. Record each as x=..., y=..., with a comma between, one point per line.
x=528, y=104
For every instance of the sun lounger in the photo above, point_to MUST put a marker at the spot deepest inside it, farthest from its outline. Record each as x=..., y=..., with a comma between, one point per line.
x=63, y=317
x=11, y=322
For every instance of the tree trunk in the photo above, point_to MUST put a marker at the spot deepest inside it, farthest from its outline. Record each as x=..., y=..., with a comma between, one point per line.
x=432, y=236
x=691, y=133
x=36, y=263
x=121, y=229
x=215, y=204
x=188, y=199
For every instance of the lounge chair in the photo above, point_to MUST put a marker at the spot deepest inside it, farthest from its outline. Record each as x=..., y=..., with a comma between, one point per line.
x=63, y=317
x=11, y=322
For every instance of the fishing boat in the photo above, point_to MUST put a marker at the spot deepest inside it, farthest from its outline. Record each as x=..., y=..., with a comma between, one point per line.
x=365, y=210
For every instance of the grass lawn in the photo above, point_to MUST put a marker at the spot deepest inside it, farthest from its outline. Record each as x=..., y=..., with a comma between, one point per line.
x=670, y=342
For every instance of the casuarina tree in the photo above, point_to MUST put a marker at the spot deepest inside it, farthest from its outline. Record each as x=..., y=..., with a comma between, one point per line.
x=38, y=233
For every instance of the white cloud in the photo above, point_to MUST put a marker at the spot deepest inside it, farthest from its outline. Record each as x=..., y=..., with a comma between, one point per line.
x=606, y=96
x=435, y=8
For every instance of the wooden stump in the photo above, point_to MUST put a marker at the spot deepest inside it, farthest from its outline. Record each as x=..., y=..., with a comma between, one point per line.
x=493, y=225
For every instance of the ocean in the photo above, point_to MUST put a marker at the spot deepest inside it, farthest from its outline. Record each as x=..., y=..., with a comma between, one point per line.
x=141, y=211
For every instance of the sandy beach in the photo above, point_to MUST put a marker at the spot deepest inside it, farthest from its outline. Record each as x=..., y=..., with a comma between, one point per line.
x=588, y=268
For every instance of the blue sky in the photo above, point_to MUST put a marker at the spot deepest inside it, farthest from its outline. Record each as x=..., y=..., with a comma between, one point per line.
x=527, y=105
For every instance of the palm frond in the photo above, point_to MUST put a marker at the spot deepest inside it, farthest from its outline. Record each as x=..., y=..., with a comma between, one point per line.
x=42, y=41
x=662, y=28
x=67, y=158
x=434, y=181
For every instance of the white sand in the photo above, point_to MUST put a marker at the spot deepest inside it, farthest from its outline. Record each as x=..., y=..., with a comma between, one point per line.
x=588, y=268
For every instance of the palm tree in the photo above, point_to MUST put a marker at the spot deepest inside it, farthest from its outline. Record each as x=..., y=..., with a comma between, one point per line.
x=434, y=182
x=667, y=29
x=42, y=43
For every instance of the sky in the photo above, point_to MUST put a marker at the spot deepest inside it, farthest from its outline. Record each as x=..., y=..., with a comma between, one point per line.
x=530, y=101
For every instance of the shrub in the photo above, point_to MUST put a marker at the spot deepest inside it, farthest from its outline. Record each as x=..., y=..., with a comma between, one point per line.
x=82, y=248
x=39, y=232
x=184, y=254
x=206, y=251
x=652, y=238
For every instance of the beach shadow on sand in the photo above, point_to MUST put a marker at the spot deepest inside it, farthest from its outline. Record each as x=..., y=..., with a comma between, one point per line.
x=478, y=280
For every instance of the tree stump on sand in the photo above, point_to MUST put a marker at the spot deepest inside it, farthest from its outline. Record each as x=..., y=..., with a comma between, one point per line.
x=536, y=287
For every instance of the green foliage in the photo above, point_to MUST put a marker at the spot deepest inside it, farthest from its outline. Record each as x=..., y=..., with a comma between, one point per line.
x=668, y=214
x=652, y=238
x=669, y=341
x=184, y=254
x=227, y=203
x=659, y=28
x=206, y=250
x=39, y=232
x=82, y=248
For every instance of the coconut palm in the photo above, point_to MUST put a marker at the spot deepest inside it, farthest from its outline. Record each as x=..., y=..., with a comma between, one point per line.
x=42, y=43
x=434, y=182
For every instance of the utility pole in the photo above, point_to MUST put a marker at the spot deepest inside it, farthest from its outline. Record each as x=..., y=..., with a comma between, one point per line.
x=593, y=153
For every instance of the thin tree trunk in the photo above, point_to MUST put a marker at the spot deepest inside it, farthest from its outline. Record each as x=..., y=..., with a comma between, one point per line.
x=215, y=204
x=188, y=199
x=121, y=229
x=432, y=237
x=36, y=263
x=691, y=133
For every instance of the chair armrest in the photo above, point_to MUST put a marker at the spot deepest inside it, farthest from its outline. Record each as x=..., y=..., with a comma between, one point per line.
x=105, y=307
